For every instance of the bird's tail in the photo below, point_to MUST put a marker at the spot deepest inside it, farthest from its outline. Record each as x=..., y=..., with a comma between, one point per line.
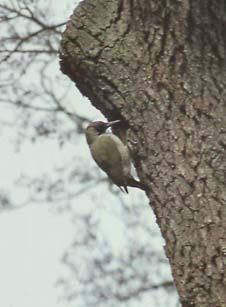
x=136, y=184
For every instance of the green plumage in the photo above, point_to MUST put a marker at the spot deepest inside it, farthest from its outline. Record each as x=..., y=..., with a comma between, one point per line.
x=111, y=155
x=107, y=155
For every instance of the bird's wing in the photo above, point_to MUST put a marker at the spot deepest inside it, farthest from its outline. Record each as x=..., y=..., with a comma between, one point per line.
x=111, y=155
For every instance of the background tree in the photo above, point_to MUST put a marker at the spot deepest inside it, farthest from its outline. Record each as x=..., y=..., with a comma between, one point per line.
x=39, y=106
x=163, y=62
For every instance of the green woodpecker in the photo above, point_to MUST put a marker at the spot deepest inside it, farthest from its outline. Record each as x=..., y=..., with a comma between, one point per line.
x=111, y=155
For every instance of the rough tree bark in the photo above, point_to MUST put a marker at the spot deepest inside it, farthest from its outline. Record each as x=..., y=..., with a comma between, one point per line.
x=161, y=67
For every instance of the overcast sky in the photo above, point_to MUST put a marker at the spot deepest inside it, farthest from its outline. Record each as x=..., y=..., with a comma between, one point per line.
x=31, y=244
x=33, y=238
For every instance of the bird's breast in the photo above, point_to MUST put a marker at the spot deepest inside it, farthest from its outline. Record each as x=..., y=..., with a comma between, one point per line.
x=111, y=155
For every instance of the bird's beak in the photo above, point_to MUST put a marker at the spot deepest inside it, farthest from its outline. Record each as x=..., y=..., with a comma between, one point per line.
x=109, y=124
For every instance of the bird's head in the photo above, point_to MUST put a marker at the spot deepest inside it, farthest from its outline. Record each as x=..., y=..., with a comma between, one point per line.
x=97, y=128
x=100, y=127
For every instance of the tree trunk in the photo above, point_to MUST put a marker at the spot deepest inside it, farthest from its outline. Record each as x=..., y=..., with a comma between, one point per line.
x=161, y=67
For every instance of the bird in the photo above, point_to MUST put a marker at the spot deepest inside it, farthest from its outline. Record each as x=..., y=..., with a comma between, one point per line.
x=111, y=154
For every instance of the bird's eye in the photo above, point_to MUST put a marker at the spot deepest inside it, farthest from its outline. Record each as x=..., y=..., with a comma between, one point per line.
x=101, y=128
